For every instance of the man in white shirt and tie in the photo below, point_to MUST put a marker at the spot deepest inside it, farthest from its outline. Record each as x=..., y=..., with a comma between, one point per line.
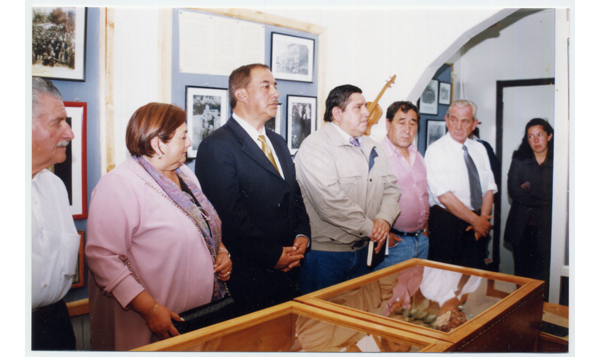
x=461, y=187
x=54, y=240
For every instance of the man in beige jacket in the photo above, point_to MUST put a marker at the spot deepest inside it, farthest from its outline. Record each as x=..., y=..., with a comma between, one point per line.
x=349, y=191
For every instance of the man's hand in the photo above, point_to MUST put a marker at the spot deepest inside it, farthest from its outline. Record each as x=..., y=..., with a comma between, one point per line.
x=288, y=259
x=481, y=226
x=394, y=239
x=379, y=233
x=300, y=245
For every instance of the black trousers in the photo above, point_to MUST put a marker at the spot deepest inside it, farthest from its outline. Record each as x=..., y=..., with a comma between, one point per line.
x=51, y=328
x=450, y=242
x=532, y=256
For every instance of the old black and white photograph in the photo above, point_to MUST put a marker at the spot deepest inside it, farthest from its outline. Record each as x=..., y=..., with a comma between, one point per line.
x=429, y=98
x=207, y=110
x=301, y=119
x=435, y=130
x=292, y=58
x=445, y=93
x=58, y=42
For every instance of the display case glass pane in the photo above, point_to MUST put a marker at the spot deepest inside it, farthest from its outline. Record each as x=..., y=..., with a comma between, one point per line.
x=296, y=332
x=425, y=296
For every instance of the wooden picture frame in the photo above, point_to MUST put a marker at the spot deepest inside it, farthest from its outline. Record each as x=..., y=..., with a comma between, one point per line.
x=79, y=277
x=207, y=109
x=428, y=102
x=435, y=130
x=58, y=42
x=73, y=171
x=445, y=93
x=301, y=120
x=275, y=122
x=292, y=57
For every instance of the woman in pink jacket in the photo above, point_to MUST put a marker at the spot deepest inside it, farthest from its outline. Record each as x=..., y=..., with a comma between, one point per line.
x=153, y=243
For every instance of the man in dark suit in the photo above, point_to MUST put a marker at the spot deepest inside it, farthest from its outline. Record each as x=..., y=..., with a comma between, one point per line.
x=246, y=171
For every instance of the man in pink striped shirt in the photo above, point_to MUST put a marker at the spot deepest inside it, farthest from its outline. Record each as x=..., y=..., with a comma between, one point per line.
x=409, y=235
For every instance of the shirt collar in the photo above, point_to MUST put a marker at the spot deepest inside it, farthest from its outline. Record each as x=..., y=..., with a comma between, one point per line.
x=392, y=149
x=458, y=146
x=248, y=128
x=344, y=134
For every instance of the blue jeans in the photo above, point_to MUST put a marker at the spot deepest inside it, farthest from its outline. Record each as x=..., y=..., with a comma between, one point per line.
x=322, y=269
x=410, y=247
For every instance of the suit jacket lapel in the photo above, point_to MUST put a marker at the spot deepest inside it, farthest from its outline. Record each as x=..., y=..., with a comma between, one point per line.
x=285, y=160
x=250, y=148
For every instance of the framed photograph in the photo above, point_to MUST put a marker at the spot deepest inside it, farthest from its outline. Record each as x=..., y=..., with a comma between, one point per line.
x=207, y=109
x=58, y=42
x=301, y=120
x=435, y=130
x=73, y=171
x=275, y=122
x=292, y=58
x=429, y=99
x=79, y=278
x=445, y=93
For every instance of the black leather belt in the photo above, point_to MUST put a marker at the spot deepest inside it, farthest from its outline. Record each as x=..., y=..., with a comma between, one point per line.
x=405, y=234
x=477, y=212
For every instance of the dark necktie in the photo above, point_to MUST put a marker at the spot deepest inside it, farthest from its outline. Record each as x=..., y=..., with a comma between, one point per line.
x=474, y=183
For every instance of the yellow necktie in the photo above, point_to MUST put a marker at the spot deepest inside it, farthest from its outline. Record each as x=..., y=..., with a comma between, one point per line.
x=267, y=150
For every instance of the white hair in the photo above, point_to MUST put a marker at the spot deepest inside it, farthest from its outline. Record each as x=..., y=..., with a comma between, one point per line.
x=461, y=103
x=40, y=88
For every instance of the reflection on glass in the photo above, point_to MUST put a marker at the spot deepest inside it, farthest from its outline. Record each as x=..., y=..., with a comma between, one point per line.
x=297, y=333
x=430, y=297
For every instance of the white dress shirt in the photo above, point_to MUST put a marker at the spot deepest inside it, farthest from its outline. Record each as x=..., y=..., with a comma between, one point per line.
x=447, y=170
x=254, y=135
x=54, y=240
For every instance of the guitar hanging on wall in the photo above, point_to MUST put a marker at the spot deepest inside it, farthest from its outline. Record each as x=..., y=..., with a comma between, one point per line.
x=374, y=109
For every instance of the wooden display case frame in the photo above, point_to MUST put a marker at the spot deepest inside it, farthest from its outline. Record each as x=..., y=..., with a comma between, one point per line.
x=237, y=331
x=511, y=325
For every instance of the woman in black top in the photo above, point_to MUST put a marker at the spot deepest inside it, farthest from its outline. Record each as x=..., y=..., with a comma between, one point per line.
x=529, y=223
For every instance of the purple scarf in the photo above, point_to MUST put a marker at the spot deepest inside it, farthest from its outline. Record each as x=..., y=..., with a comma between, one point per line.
x=210, y=227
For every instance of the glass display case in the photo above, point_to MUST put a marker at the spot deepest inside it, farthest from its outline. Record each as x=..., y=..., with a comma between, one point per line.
x=472, y=309
x=294, y=327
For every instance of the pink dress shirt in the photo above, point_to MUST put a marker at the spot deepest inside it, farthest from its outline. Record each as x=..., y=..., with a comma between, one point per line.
x=412, y=180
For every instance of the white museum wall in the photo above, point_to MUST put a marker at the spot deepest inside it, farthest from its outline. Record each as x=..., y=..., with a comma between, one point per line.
x=522, y=50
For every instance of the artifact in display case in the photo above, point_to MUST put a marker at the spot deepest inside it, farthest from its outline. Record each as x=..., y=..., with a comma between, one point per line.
x=473, y=309
x=294, y=327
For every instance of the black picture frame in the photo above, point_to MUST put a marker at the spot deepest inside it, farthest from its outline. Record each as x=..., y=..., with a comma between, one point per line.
x=301, y=120
x=435, y=130
x=428, y=102
x=59, y=37
x=207, y=109
x=445, y=93
x=292, y=57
